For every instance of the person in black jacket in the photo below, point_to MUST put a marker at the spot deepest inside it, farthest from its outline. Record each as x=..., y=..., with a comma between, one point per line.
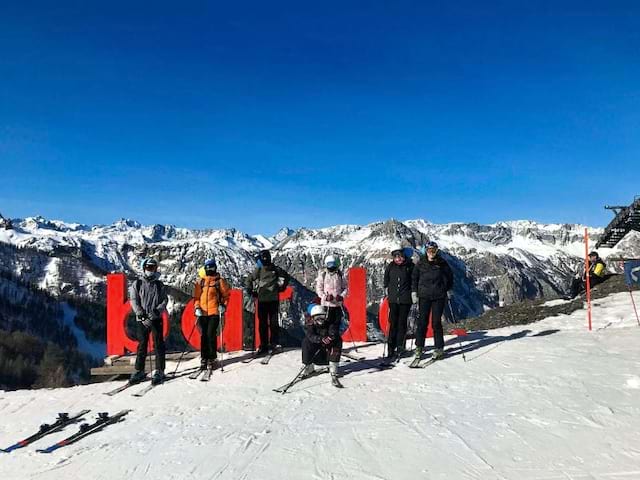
x=397, y=286
x=322, y=341
x=431, y=281
x=265, y=283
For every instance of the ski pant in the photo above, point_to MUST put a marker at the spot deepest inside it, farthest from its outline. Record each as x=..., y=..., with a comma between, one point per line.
x=209, y=336
x=143, y=343
x=268, y=323
x=435, y=308
x=398, y=314
x=579, y=285
x=248, y=327
x=334, y=315
x=318, y=352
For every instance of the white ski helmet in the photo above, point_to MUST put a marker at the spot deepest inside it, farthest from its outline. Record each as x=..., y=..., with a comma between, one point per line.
x=397, y=249
x=331, y=261
x=317, y=310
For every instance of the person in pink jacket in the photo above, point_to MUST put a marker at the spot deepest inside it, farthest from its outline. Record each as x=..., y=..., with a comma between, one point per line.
x=331, y=287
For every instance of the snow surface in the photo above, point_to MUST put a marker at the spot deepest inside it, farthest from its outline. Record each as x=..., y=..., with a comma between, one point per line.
x=549, y=400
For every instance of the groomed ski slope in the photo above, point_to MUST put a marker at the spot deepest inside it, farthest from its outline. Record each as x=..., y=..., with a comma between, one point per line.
x=543, y=401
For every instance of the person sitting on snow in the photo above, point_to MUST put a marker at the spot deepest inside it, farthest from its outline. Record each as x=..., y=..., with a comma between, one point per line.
x=597, y=271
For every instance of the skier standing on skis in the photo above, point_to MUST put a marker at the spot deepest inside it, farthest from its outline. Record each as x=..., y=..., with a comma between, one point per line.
x=265, y=283
x=210, y=295
x=397, y=285
x=148, y=297
x=322, y=342
x=432, y=279
x=331, y=288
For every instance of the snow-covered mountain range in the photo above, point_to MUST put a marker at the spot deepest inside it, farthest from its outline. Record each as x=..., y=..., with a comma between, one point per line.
x=504, y=262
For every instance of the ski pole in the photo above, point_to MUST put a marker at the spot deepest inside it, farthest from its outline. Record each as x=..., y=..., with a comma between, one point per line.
x=634, y=306
x=284, y=390
x=454, y=321
x=185, y=348
x=355, y=348
x=222, y=343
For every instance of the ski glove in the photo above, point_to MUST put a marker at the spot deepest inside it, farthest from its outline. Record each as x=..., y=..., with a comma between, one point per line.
x=222, y=309
x=339, y=298
x=414, y=297
x=144, y=320
x=327, y=340
x=328, y=297
x=199, y=312
x=449, y=294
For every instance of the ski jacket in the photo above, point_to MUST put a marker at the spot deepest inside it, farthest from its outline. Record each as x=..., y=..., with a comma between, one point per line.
x=264, y=282
x=397, y=281
x=315, y=333
x=148, y=297
x=331, y=283
x=597, y=269
x=210, y=292
x=432, y=280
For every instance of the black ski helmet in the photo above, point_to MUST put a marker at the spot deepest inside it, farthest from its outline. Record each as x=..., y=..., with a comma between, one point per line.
x=265, y=257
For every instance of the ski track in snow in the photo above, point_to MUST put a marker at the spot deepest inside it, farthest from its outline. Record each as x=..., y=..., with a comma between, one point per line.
x=547, y=401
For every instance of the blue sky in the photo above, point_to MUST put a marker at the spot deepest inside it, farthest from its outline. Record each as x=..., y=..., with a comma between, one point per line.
x=259, y=115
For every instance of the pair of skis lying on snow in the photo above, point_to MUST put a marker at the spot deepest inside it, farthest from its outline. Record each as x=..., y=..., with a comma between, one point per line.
x=64, y=419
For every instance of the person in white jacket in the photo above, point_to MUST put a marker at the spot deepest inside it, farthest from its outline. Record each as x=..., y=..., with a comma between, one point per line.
x=331, y=287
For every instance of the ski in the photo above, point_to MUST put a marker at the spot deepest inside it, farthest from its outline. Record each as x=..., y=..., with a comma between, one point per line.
x=253, y=356
x=415, y=363
x=353, y=357
x=86, y=429
x=122, y=388
x=425, y=364
x=196, y=374
x=206, y=375
x=266, y=359
x=62, y=421
x=300, y=378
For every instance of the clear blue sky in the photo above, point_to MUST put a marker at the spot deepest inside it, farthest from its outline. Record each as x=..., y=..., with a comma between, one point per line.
x=264, y=114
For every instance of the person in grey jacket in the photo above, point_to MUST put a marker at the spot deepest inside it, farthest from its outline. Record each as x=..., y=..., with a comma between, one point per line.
x=265, y=283
x=148, y=297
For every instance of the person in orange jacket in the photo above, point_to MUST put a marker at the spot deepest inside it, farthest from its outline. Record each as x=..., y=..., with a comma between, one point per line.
x=211, y=294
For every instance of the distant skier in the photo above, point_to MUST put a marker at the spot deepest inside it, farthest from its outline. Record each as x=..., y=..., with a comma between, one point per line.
x=265, y=283
x=331, y=288
x=248, y=318
x=597, y=271
x=211, y=294
x=432, y=279
x=148, y=298
x=397, y=286
x=322, y=342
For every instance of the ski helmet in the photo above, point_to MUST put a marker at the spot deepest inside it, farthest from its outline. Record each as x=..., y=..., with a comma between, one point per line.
x=265, y=257
x=331, y=261
x=149, y=264
x=210, y=264
x=397, y=250
x=594, y=254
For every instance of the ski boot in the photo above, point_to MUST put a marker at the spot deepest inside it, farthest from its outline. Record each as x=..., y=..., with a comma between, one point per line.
x=274, y=349
x=438, y=354
x=308, y=370
x=157, y=377
x=416, y=358
x=213, y=364
x=333, y=370
x=137, y=376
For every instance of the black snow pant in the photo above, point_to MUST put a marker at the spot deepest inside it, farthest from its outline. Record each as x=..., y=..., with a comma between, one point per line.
x=398, y=314
x=435, y=308
x=143, y=343
x=268, y=323
x=209, y=337
x=578, y=285
x=319, y=353
x=248, y=329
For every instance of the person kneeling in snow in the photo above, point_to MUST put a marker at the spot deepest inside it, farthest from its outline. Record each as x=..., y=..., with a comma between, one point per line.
x=597, y=271
x=321, y=340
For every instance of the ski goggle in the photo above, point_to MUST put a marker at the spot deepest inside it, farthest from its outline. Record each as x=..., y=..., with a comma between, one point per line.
x=151, y=267
x=397, y=254
x=432, y=249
